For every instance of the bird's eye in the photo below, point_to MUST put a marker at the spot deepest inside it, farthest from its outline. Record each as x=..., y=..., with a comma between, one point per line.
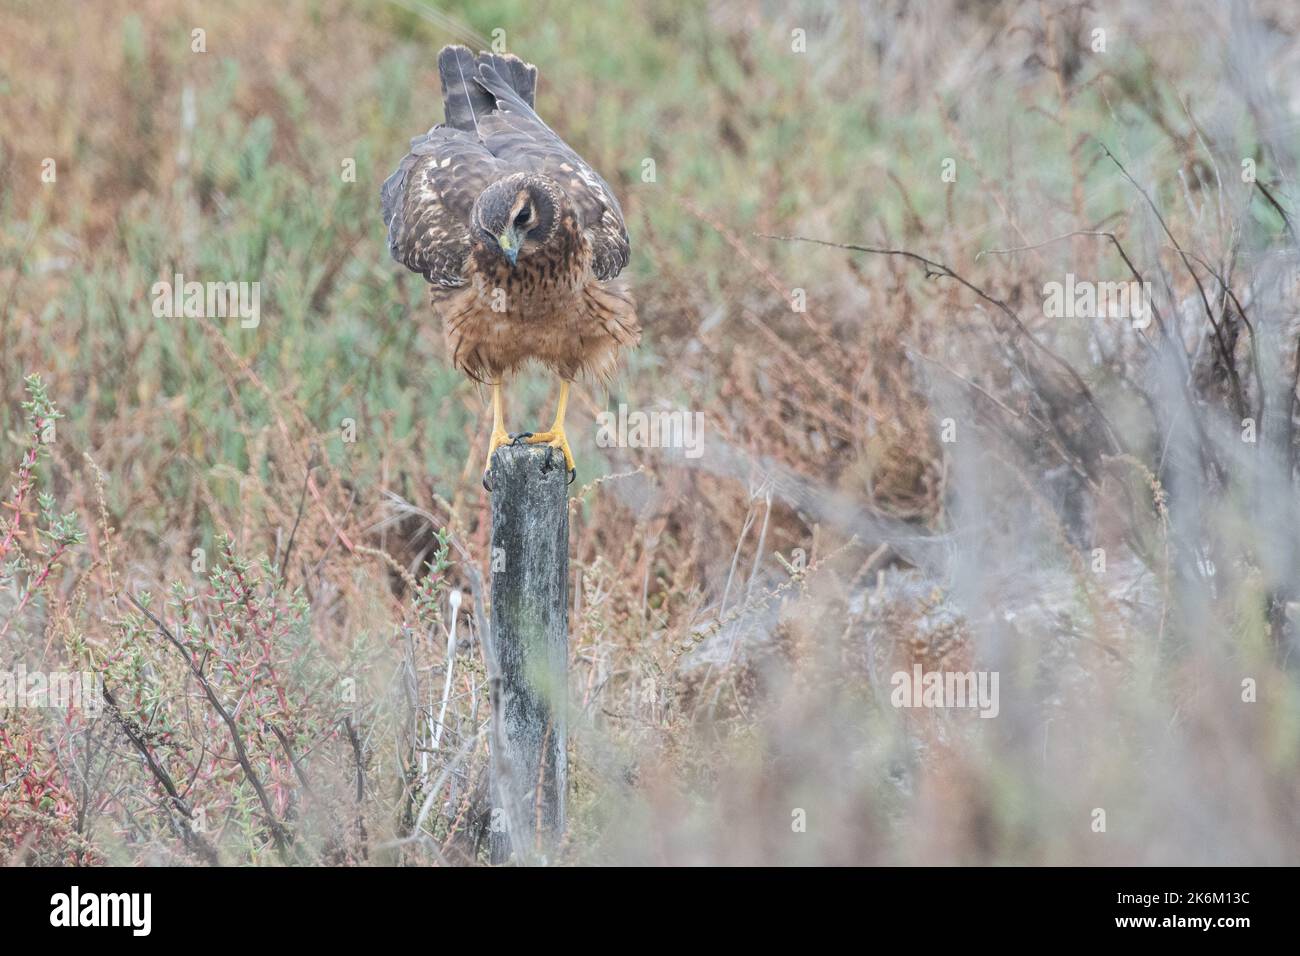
x=523, y=218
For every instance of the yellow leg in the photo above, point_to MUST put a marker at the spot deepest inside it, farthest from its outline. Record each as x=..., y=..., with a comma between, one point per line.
x=499, y=436
x=555, y=436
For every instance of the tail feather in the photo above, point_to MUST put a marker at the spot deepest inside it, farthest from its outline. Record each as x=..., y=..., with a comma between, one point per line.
x=463, y=96
x=518, y=75
x=473, y=86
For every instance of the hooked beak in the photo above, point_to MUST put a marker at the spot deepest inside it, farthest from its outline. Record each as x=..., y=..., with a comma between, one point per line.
x=510, y=242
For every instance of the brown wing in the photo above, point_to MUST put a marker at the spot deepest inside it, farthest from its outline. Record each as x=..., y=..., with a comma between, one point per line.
x=427, y=202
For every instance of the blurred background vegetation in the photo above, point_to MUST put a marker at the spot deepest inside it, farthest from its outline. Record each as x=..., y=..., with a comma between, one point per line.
x=717, y=686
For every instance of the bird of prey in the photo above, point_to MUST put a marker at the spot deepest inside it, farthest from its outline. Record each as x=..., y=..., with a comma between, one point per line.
x=517, y=235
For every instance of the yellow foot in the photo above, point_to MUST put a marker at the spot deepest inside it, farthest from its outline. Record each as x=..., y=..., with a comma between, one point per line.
x=499, y=438
x=555, y=438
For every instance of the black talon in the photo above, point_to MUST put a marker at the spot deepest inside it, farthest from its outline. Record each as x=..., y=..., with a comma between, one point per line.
x=516, y=439
x=546, y=462
x=487, y=485
x=573, y=473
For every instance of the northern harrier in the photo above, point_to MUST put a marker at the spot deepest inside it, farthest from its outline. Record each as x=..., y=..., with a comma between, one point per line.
x=516, y=234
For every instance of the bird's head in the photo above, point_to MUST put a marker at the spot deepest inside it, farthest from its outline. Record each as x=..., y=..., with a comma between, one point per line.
x=518, y=214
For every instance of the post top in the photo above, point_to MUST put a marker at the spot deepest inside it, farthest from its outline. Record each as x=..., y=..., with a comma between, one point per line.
x=513, y=463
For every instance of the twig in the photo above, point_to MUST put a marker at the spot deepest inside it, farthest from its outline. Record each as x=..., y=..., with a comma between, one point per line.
x=454, y=600
x=1286, y=220
x=1205, y=299
x=288, y=752
x=280, y=836
x=302, y=501
x=934, y=268
x=191, y=838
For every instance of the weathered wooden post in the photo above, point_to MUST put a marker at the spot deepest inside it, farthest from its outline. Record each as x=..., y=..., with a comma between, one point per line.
x=530, y=644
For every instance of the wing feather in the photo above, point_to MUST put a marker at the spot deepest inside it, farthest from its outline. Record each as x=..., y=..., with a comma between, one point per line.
x=427, y=203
